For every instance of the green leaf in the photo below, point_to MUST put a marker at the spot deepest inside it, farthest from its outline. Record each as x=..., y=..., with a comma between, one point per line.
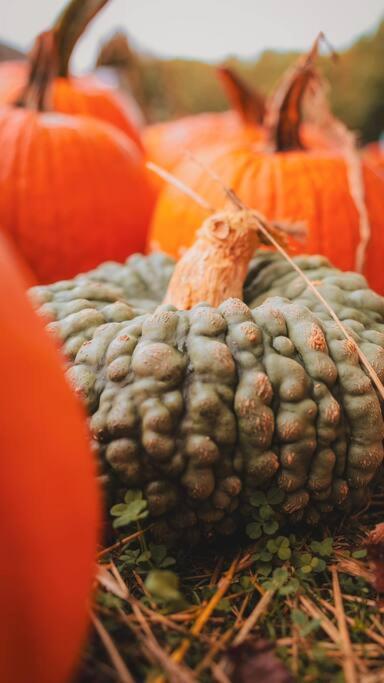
x=284, y=541
x=130, y=557
x=272, y=546
x=303, y=623
x=321, y=565
x=144, y=557
x=167, y=562
x=280, y=576
x=284, y=553
x=132, y=495
x=305, y=558
x=118, y=509
x=270, y=527
x=359, y=554
x=258, y=498
x=253, y=530
x=306, y=569
x=136, y=508
x=158, y=552
x=298, y=617
x=128, y=517
x=245, y=582
x=164, y=586
x=224, y=605
x=275, y=496
x=323, y=548
x=266, y=512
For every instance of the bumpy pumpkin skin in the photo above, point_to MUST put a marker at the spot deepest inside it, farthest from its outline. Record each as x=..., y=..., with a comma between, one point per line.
x=48, y=499
x=73, y=191
x=202, y=408
x=291, y=186
x=73, y=95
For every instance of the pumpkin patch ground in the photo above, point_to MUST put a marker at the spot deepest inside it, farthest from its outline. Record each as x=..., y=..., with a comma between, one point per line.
x=193, y=484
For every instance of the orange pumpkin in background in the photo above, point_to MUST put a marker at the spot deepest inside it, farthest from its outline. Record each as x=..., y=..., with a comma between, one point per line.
x=166, y=143
x=285, y=182
x=374, y=156
x=74, y=191
x=84, y=95
x=49, y=502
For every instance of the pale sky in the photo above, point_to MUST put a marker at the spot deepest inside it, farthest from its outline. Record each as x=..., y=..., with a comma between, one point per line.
x=205, y=29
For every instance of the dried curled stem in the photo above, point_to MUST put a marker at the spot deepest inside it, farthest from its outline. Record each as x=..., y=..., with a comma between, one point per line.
x=214, y=268
x=70, y=25
x=285, y=109
x=247, y=102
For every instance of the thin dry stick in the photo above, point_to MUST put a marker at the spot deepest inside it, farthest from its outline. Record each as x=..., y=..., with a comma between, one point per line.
x=349, y=668
x=169, y=178
x=295, y=643
x=204, y=615
x=219, y=675
x=363, y=358
x=325, y=623
x=345, y=140
x=122, y=542
x=221, y=641
x=253, y=618
x=357, y=191
x=117, y=661
x=177, y=673
x=110, y=583
x=264, y=229
x=368, y=631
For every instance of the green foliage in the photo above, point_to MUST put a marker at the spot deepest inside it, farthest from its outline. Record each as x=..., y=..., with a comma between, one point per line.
x=132, y=510
x=263, y=513
x=171, y=88
x=164, y=587
x=290, y=565
x=304, y=624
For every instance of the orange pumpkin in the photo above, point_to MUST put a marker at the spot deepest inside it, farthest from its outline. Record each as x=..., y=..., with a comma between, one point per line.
x=374, y=156
x=85, y=95
x=73, y=190
x=166, y=143
x=49, y=507
x=285, y=183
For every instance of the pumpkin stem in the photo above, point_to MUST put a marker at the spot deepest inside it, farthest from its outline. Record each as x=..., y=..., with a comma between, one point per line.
x=249, y=104
x=290, y=118
x=285, y=112
x=43, y=69
x=215, y=267
x=70, y=25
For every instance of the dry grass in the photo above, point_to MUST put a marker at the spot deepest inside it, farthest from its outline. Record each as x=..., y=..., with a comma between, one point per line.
x=331, y=627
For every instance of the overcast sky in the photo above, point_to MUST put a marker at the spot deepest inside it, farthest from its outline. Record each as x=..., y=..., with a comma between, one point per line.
x=206, y=29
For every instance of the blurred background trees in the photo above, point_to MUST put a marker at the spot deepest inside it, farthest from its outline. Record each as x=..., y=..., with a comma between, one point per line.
x=169, y=88
x=176, y=87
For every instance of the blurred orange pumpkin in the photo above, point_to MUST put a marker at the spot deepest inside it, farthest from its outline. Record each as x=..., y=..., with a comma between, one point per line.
x=374, y=156
x=73, y=190
x=286, y=183
x=49, y=507
x=166, y=143
x=84, y=95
